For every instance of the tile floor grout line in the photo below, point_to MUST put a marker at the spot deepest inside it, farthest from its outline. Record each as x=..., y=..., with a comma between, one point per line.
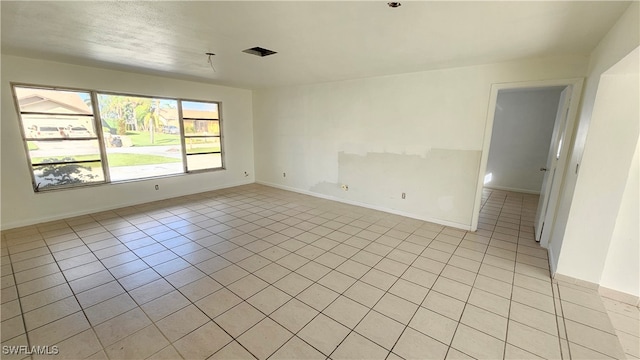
x=387, y=292
x=371, y=267
x=341, y=294
x=117, y=280
x=19, y=299
x=420, y=305
x=511, y=302
x=244, y=300
x=560, y=317
x=138, y=257
x=467, y=302
x=564, y=319
x=153, y=323
x=285, y=205
x=222, y=287
x=292, y=297
x=314, y=282
x=178, y=289
x=506, y=336
x=77, y=302
x=587, y=308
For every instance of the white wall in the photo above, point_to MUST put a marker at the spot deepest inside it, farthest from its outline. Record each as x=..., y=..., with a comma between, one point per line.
x=606, y=162
x=21, y=206
x=623, y=37
x=419, y=133
x=622, y=267
x=522, y=130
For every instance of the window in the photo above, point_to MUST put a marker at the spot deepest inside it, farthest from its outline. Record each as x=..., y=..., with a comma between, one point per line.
x=201, y=125
x=60, y=137
x=138, y=137
x=137, y=141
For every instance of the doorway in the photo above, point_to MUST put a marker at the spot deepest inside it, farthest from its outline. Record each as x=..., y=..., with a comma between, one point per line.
x=508, y=160
x=522, y=131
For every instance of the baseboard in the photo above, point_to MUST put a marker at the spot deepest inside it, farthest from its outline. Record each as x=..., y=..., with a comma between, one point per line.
x=504, y=188
x=574, y=281
x=367, y=206
x=60, y=216
x=619, y=296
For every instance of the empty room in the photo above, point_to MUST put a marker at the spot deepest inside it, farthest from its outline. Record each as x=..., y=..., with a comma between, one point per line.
x=320, y=180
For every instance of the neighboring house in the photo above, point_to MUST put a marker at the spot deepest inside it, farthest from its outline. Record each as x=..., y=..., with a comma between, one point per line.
x=37, y=100
x=169, y=117
x=56, y=103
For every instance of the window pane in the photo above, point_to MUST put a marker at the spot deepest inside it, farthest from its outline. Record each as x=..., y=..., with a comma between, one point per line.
x=128, y=165
x=202, y=127
x=65, y=150
x=57, y=126
x=143, y=118
x=142, y=136
x=202, y=145
x=67, y=174
x=53, y=101
x=199, y=110
x=204, y=161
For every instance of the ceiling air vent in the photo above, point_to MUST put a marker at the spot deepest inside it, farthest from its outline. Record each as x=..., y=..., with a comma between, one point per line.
x=258, y=51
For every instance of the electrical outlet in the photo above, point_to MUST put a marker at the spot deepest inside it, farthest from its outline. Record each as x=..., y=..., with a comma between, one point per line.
x=344, y=187
x=284, y=174
x=246, y=174
x=157, y=187
x=404, y=196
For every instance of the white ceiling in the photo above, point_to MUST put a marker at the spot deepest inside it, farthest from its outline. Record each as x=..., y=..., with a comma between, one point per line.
x=316, y=41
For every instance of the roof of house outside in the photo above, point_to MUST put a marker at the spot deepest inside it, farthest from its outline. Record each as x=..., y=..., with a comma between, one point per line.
x=52, y=101
x=172, y=114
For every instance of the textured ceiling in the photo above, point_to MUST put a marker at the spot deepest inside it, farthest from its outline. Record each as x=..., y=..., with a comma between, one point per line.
x=316, y=41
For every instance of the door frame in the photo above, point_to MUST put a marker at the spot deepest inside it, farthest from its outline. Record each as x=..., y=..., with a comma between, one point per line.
x=574, y=101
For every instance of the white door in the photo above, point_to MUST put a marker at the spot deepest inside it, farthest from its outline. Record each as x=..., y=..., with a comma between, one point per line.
x=557, y=138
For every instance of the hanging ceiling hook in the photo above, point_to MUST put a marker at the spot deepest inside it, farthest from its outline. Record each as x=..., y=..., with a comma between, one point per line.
x=209, y=55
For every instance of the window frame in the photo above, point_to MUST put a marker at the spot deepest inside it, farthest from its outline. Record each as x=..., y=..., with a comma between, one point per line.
x=184, y=136
x=97, y=93
x=99, y=135
x=25, y=141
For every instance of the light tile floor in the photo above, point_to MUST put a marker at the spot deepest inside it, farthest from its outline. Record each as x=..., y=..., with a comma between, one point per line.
x=257, y=272
x=626, y=322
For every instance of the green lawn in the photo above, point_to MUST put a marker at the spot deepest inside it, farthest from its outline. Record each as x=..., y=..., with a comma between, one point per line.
x=138, y=159
x=142, y=138
x=116, y=160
